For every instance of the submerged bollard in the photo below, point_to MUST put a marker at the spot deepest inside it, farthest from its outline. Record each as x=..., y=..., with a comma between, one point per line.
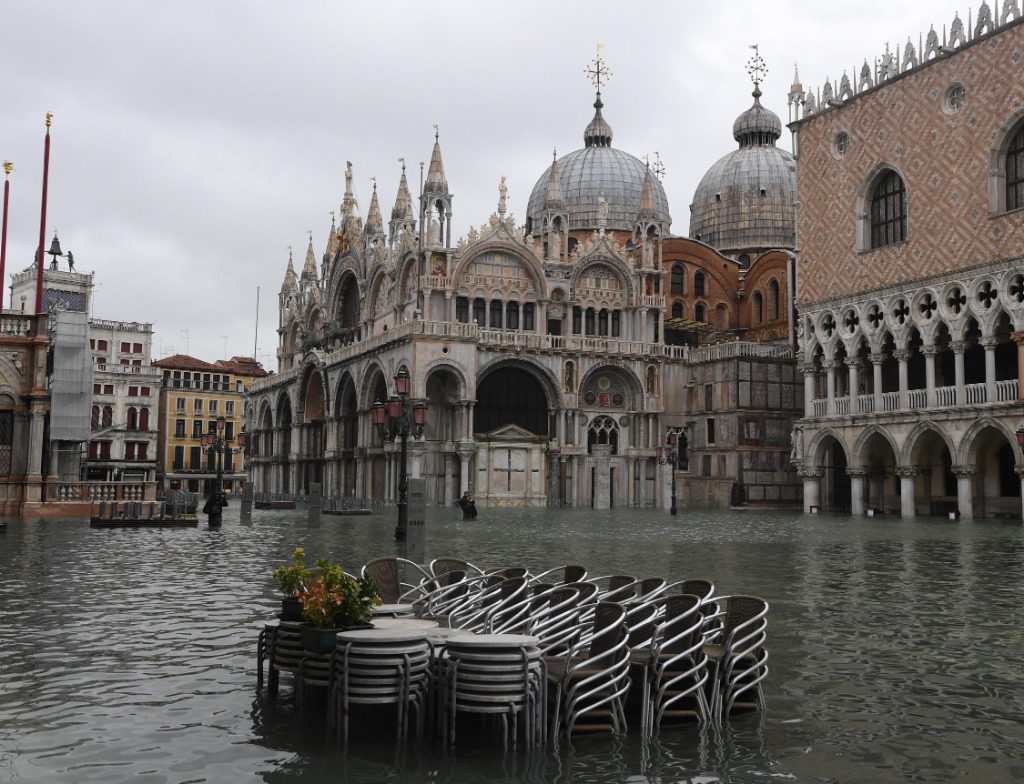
x=415, y=539
x=245, y=512
x=316, y=504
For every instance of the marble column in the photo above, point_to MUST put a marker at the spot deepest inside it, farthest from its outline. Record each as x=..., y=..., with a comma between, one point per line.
x=959, y=347
x=990, y=369
x=853, y=369
x=876, y=367
x=929, y=374
x=830, y=384
x=902, y=356
x=856, y=490
x=965, y=490
x=1018, y=338
x=812, y=487
x=810, y=372
x=908, y=509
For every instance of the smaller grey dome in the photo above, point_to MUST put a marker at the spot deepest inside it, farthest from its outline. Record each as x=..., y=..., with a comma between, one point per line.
x=757, y=125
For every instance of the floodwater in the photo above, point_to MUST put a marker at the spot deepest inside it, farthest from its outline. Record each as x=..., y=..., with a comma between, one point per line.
x=897, y=649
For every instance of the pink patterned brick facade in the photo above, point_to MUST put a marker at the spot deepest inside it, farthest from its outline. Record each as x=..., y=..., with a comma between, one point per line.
x=945, y=158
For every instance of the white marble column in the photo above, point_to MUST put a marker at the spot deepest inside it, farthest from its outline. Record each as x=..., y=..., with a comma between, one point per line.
x=810, y=373
x=965, y=490
x=876, y=368
x=929, y=374
x=830, y=385
x=812, y=488
x=856, y=490
x=908, y=509
x=959, y=347
x=990, y=369
x=902, y=355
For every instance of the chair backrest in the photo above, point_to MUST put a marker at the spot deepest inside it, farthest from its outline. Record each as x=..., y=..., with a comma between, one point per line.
x=682, y=622
x=574, y=574
x=640, y=622
x=587, y=591
x=609, y=628
x=740, y=611
x=447, y=564
x=620, y=581
x=447, y=579
x=698, y=586
x=384, y=573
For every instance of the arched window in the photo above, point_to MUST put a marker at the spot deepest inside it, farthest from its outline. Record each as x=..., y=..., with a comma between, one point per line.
x=143, y=419
x=698, y=311
x=889, y=211
x=6, y=437
x=677, y=310
x=757, y=307
x=95, y=421
x=133, y=419
x=589, y=321
x=480, y=311
x=512, y=315
x=603, y=430
x=677, y=279
x=773, y=300
x=496, y=313
x=698, y=284
x=1015, y=172
x=108, y=416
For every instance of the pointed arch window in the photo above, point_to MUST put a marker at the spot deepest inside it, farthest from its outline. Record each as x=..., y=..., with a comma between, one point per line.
x=1015, y=172
x=773, y=300
x=889, y=211
x=757, y=306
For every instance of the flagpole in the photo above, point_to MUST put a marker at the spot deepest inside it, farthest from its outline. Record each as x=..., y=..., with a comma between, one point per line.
x=256, y=338
x=42, y=218
x=3, y=237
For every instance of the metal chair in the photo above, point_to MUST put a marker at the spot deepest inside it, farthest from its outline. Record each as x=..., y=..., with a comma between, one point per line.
x=386, y=574
x=736, y=652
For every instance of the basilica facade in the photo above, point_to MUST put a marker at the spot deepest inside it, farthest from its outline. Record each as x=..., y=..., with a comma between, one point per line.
x=555, y=359
x=911, y=278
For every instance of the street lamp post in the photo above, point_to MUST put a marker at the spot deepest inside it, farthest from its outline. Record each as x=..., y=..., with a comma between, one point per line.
x=217, y=444
x=400, y=419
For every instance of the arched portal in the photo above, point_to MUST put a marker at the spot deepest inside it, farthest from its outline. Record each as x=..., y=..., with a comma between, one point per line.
x=284, y=442
x=511, y=396
x=441, y=467
x=880, y=487
x=835, y=481
x=935, y=486
x=348, y=436
x=311, y=445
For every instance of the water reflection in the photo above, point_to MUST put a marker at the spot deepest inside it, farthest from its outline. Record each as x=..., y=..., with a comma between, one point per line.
x=895, y=649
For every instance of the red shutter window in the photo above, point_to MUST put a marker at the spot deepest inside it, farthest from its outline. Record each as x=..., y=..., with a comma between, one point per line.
x=136, y=348
x=96, y=389
x=143, y=419
x=142, y=451
x=133, y=419
x=108, y=389
x=129, y=450
x=101, y=345
x=144, y=391
x=126, y=348
x=94, y=450
x=104, y=450
x=133, y=391
x=108, y=419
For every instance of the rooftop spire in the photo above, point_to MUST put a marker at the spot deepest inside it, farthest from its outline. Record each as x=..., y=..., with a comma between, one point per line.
x=309, y=268
x=289, y=275
x=403, y=201
x=374, y=221
x=553, y=199
x=436, y=182
x=647, y=211
x=598, y=132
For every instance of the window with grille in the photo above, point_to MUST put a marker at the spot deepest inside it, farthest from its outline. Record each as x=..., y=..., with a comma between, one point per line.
x=698, y=284
x=889, y=211
x=1015, y=172
x=677, y=280
x=6, y=441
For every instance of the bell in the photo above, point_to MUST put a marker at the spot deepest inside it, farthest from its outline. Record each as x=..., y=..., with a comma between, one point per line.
x=55, y=247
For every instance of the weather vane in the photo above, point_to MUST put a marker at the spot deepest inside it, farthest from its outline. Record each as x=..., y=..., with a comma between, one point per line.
x=756, y=67
x=598, y=71
x=658, y=167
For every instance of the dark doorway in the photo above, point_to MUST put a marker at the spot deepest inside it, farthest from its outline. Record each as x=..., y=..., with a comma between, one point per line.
x=510, y=396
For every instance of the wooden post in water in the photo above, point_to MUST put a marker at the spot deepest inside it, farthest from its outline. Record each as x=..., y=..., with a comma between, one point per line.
x=245, y=512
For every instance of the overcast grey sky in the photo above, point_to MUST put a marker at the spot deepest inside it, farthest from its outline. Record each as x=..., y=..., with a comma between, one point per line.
x=195, y=140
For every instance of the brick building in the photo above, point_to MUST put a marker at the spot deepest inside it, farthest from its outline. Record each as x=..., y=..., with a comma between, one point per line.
x=911, y=293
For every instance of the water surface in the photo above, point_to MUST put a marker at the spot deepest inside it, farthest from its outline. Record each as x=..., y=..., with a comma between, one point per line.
x=896, y=649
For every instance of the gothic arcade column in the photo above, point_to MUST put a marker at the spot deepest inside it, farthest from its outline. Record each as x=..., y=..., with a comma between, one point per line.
x=812, y=488
x=902, y=356
x=908, y=508
x=856, y=490
x=990, y=369
x=965, y=490
x=876, y=368
x=830, y=385
x=929, y=374
x=1018, y=338
x=959, y=347
x=810, y=372
x=853, y=368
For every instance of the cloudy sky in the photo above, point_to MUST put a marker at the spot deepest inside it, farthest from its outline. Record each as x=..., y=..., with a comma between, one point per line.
x=194, y=141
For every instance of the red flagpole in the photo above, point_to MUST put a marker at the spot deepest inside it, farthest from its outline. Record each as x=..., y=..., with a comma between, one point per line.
x=3, y=237
x=42, y=219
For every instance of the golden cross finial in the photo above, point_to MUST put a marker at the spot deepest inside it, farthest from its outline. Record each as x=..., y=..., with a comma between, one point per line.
x=49, y=119
x=756, y=67
x=598, y=72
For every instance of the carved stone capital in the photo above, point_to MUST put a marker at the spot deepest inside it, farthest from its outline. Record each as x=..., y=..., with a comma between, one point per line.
x=830, y=364
x=877, y=359
x=904, y=471
x=964, y=472
x=861, y=472
x=1018, y=337
x=902, y=355
x=958, y=346
x=929, y=351
x=854, y=362
x=811, y=473
x=809, y=369
x=989, y=342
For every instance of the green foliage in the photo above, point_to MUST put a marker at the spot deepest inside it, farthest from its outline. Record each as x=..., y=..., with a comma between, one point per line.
x=292, y=579
x=334, y=599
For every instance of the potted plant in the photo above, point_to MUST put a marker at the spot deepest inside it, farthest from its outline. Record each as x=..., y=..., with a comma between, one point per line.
x=291, y=581
x=334, y=601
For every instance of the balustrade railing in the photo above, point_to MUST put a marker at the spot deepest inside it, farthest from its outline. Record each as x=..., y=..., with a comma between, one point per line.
x=101, y=491
x=917, y=398
x=976, y=393
x=890, y=401
x=842, y=406
x=865, y=404
x=945, y=396
x=1007, y=391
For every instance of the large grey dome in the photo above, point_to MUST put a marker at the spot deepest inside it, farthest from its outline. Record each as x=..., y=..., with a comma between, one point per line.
x=746, y=199
x=584, y=175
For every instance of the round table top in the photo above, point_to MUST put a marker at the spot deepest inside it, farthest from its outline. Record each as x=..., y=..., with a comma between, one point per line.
x=404, y=623
x=382, y=635
x=393, y=609
x=492, y=641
